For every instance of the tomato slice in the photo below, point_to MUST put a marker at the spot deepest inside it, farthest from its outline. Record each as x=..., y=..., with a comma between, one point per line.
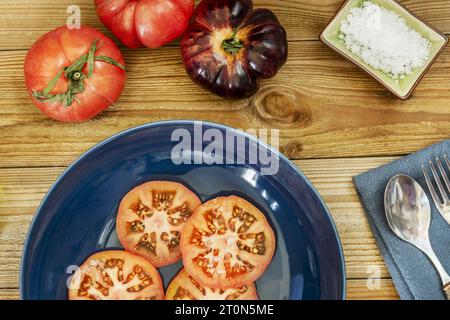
x=185, y=287
x=116, y=275
x=151, y=218
x=227, y=243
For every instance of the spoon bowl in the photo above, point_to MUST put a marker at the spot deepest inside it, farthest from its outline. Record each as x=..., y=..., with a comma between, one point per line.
x=407, y=209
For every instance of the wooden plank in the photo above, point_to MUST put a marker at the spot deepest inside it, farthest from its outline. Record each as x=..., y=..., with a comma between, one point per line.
x=360, y=249
x=356, y=290
x=22, y=22
x=9, y=294
x=23, y=188
x=303, y=100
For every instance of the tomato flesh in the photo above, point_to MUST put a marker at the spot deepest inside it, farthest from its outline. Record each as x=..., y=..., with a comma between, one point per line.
x=185, y=287
x=116, y=275
x=151, y=218
x=227, y=243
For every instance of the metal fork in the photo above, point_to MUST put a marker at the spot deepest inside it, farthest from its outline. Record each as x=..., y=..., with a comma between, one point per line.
x=442, y=203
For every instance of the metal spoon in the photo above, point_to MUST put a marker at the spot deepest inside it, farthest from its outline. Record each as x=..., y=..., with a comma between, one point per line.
x=408, y=214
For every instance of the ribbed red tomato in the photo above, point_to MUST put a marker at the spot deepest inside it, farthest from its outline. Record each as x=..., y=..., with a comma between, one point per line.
x=150, y=23
x=72, y=75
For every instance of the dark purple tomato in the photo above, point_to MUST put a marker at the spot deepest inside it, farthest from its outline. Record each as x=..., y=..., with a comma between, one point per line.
x=229, y=46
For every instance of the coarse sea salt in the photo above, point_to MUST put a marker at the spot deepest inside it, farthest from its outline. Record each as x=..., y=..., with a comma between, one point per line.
x=383, y=40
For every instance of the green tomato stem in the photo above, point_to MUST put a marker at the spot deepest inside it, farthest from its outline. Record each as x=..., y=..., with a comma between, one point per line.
x=232, y=45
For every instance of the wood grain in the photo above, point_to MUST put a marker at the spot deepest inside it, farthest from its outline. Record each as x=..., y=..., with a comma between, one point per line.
x=22, y=22
x=325, y=108
x=357, y=290
x=23, y=188
x=303, y=100
x=9, y=294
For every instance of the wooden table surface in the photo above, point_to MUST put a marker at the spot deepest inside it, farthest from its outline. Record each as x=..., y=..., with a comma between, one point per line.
x=335, y=121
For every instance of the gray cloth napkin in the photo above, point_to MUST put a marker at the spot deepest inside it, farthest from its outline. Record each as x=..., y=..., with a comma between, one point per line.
x=413, y=274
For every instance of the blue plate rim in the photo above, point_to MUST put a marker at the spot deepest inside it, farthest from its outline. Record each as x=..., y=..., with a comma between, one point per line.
x=119, y=135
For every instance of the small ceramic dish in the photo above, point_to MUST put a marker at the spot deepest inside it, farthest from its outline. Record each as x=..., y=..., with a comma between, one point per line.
x=402, y=88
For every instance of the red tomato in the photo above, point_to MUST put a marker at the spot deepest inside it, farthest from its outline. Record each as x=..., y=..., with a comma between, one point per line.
x=116, y=275
x=72, y=75
x=185, y=287
x=151, y=218
x=150, y=23
x=227, y=243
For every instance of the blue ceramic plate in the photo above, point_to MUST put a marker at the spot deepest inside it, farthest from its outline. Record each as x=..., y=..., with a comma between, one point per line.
x=77, y=217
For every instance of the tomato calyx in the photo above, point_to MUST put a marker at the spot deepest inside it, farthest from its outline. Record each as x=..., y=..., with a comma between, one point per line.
x=232, y=45
x=75, y=77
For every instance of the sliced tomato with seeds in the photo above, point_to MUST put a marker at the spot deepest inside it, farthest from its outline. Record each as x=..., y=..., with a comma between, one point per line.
x=151, y=218
x=116, y=275
x=227, y=243
x=185, y=287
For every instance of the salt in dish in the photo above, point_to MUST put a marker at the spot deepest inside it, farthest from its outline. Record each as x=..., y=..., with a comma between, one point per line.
x=387, y=41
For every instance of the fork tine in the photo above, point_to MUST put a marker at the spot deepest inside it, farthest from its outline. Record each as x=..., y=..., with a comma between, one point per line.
x=443, y=174
x=431, y=187
x=447, y=161
x=439, y=183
